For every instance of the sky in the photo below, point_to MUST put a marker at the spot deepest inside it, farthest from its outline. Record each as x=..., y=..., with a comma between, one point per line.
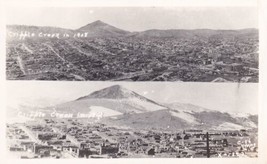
x=228, y=97
x=137, y=18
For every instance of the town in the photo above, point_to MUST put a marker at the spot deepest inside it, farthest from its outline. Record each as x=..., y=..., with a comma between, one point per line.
x=203, y=59
x=80, y=138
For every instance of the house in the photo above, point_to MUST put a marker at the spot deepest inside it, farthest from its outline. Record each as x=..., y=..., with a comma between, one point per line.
x=150, y=151
x=85, y=153
x=27, y=146
x=236, y=67
x=44, y=153
x=38, y=148
x=15, y=148
x=109, y=149
x=73, y=150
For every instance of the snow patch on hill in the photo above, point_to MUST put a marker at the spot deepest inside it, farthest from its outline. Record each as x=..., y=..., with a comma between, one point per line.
x=228, y=126
x=147, y=106
x=249, y=123
x=185, y=116
x=186, y=107
x=104, y=112
x=235, y=115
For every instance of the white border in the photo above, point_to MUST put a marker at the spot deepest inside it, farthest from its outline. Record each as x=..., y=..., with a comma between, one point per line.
x=131, y=3
x=135, y=3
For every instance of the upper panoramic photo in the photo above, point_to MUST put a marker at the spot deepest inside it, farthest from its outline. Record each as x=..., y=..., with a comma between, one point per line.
x=181, y=44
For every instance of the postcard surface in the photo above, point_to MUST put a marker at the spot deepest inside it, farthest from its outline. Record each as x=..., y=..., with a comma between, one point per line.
x=96, y=81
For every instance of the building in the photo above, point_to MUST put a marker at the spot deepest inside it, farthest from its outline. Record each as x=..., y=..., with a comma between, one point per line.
x=41, y=148
x=109, y=149
x=150, y=151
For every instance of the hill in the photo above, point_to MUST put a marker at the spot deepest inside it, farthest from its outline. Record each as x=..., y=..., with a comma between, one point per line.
x=206, y=33
x=115, y=98
x=101, y=29
x=175, y=120
x=118, y=106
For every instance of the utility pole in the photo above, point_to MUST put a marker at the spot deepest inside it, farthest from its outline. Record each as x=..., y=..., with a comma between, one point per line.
x=208, y=145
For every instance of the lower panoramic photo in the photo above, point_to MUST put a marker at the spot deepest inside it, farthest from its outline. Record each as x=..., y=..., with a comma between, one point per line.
x=131, y=120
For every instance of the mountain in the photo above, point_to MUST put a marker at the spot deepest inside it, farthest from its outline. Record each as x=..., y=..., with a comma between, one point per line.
x=116, y=99
x=118, y=106
x=211, y=118
x=113, y=92
x=185, y=107
x=206, y=33
x=155, y=33
x=157, y=120
x=94, y=29
x=123, y=107
x=37, y=29
x=101, y=29
x=116, y=92
x=169, y=119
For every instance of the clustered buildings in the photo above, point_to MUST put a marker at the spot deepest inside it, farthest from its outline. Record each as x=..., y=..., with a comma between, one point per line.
x=136, y=59
x=70, y=138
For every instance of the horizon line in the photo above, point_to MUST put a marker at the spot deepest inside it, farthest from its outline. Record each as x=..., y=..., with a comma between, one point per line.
x=217, y=29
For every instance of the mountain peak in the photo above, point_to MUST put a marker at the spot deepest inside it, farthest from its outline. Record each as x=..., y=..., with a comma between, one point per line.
x=117, y=87
x=95, y=24
x=100, y=28
x=118, y=92
x=112, y=92
x=98, y=22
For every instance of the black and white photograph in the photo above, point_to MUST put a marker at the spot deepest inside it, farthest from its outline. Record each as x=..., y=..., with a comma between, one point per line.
x=185, y=44
x=131, y=120
x=144, y=81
